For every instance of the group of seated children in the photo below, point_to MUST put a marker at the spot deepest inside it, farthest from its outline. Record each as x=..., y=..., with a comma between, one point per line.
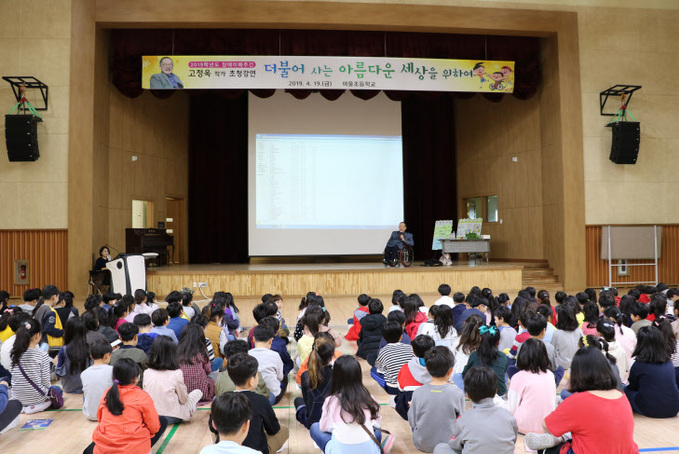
x=508, y=359
x=523, y=350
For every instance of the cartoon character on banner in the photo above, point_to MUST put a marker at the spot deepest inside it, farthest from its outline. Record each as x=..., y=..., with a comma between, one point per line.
x=506, y=73
x=497, y=81
x=480, y=71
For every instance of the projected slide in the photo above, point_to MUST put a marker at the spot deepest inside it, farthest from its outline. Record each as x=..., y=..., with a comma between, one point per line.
x=328, y=181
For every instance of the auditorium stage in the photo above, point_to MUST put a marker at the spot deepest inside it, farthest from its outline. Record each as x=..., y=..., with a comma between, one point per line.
x=331, y=278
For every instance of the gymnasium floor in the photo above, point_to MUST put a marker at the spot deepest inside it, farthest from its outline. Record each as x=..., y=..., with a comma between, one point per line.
x=71, y=431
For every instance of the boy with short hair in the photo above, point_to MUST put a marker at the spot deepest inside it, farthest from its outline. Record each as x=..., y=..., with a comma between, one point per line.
x=145, y=337
x=177, y=322
x=230, y=418
x=266, y=434
x=371, y=332
x=97, y=378
x=355, y=323
x=503, y=320
x=536, y=326
x=161, y=319
x=391, y=358
x=270, y=363
x=437, y=404
x=638, y=314
x=459, y=307
x=413, y=374
x=224, y=383
x=128, y=335
x=444, y=291
x=30, y=300
x=485, y=428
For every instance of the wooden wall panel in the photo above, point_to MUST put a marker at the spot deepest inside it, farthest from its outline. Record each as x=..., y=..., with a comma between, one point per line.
x=668, y=265
x=47, y=251
x=501, y=278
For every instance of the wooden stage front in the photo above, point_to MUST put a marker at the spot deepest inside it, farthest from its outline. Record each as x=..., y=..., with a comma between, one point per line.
x=332, y=278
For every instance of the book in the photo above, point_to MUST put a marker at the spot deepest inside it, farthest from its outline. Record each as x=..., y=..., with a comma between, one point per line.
x=36, y=424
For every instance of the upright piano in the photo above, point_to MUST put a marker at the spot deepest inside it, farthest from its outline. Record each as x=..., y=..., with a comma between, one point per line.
x=150, y=240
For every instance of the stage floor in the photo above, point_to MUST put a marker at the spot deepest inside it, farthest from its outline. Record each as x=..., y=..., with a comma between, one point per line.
x=332, y=278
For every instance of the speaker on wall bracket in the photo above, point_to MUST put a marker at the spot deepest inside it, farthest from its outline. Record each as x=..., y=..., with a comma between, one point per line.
x=626, y=134
x=625, y=144
x=21, y=129
x=21, y=135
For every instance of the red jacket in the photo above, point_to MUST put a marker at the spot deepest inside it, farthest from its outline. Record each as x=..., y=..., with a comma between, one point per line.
x=352, y=334
x=411, y=328
x=131, y=432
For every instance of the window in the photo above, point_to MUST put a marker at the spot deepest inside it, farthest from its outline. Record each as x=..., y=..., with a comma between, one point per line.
x=491, y=208
x=474, y=209
x=483, y=207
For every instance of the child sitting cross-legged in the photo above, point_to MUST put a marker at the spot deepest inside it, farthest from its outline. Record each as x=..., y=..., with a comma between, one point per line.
x=97, y=378
x=391, y=358
x=371, y=332
x=316, y=381
x=230, y=418
x=224, y=383
x=484, y=428
x=128, y=334
x=436, y=405
x=145, y=337
x=128, y=421
x=165, y=383
x=270, y=363
x=488, y=355
x=266, y=435
x=413, y=374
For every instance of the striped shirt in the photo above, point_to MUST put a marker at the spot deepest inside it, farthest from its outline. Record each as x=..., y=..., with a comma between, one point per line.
x=36, y=364
x=390, y=360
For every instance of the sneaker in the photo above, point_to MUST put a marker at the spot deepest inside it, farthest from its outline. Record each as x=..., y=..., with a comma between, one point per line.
x=29, y=410
x=538, y=442
x=392, y=401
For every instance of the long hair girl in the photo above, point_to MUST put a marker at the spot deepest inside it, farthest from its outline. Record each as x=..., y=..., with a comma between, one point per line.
x=347, y=386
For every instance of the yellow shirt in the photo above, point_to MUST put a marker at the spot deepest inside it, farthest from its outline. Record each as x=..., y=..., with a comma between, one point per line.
x=6, y=334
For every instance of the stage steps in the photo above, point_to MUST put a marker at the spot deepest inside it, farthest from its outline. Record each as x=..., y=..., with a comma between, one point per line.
x=540, y=276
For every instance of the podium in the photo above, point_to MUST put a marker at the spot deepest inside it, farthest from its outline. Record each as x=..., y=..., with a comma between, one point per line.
x=128, y=273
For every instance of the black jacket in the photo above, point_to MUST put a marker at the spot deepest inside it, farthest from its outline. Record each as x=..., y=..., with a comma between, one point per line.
x=370, y=336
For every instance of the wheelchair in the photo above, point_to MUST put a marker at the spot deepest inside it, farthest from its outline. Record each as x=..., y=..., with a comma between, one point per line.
x=406, y=257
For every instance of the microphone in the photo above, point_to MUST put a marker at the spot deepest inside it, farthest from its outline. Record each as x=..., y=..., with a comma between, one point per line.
x=111, y=247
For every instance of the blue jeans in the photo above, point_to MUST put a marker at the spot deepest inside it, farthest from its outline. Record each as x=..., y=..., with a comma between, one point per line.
x=322, y=438
x=217, y=364
x=459, y=381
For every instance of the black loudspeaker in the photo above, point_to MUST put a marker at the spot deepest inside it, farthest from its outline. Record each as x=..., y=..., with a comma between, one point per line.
x=625, y=146
x=21, y=134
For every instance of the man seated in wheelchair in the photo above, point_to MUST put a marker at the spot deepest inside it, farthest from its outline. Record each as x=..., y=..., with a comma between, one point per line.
x=397, y=240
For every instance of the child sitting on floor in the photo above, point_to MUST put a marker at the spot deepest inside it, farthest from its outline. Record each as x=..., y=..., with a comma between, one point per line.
x=391, y=358
x=371, y=332
x=435, y=406
x=360, y=312
x=413, y=374
x=484, y=428
x=266, y=434
x=97, y=378
x=230, y=418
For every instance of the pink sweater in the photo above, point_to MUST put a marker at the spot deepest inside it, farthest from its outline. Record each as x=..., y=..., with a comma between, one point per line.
x=531, y=398
x=346, y=433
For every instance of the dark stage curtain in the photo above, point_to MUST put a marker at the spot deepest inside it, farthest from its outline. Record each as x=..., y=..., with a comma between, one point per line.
x=218, y=183
x=429, y=178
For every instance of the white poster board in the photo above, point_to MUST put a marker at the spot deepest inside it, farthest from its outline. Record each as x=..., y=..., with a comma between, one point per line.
x=442, y=229
x=465, y=226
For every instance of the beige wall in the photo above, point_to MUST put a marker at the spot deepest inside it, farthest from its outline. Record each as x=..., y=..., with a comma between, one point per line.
x=634, y=47
x=488, y=136
x=34, y=41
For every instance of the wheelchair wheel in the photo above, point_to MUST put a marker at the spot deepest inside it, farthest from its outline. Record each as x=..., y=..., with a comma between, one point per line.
x=407, y=255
